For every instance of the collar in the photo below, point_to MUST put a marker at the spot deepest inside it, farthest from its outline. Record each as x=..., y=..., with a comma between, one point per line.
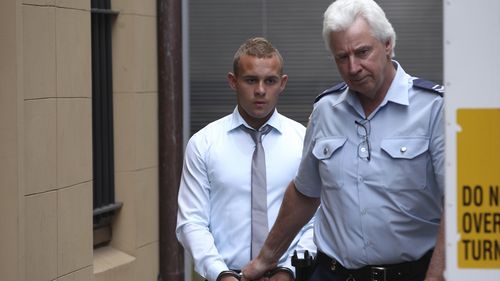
x=237, y=121
x=397, y=93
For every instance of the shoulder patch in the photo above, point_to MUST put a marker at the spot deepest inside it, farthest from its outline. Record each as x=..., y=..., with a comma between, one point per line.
x=428, y=85
x=333, y=90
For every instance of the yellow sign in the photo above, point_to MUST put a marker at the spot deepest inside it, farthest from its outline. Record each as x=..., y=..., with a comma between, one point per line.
x=478, y=188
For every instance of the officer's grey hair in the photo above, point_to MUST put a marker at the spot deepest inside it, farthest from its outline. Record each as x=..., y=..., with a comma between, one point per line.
x=342, y=13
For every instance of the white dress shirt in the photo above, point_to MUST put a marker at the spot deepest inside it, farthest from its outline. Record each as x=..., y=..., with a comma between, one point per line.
x=214, y=217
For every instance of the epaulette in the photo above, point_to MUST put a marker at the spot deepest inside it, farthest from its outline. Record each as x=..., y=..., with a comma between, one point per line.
x=429, y=85
x=335, y=89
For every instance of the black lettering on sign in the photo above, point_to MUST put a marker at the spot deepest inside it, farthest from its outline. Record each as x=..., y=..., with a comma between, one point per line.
x=482, y=249
x=494, y=195
x=481, y=222
x=472, y=196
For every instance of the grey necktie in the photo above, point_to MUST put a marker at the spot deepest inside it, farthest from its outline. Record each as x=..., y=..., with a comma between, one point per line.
x=259, y=191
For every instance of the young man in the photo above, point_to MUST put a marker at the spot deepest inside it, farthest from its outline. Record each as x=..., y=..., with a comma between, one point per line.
x=374, y=158
x=218, y=222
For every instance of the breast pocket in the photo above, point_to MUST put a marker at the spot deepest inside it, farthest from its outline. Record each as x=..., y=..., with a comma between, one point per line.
x=406, y=167
x=330, y=160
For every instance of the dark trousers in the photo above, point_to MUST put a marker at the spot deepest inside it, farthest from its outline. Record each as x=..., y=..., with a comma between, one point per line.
x=322, y=273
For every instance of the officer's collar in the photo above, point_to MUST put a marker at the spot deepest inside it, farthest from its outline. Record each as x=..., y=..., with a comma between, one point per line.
x=397, y=92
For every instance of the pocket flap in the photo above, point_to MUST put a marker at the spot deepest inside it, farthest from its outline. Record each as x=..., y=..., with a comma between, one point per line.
x=325, y=147
x=405, y=147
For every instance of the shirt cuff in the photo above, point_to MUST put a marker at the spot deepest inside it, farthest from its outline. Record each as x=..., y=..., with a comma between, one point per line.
x=214, y=270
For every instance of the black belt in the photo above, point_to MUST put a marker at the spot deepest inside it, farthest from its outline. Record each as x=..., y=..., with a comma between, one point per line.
x=392, y=272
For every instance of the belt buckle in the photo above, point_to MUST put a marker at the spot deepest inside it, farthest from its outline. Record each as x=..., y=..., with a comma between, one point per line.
x=379, y=273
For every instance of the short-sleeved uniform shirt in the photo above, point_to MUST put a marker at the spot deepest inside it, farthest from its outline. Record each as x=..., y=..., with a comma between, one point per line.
x=385, y=210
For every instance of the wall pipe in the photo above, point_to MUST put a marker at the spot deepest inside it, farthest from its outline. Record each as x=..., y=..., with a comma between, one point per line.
x=169, y=30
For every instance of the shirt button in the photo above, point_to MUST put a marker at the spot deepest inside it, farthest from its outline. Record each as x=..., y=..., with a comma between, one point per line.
x=363, y=149
x=325, y=151
x=363, y=212
x=403, y=149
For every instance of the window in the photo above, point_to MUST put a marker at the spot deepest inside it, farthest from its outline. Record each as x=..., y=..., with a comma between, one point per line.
x=102, y=122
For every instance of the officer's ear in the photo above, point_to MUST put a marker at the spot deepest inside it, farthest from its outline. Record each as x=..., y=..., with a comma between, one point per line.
x=388, y=48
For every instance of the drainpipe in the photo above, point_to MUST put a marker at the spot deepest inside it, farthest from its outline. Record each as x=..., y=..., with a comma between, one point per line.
x=170, y=135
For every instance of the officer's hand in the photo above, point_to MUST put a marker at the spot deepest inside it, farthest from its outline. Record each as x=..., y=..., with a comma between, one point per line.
x=255, y=270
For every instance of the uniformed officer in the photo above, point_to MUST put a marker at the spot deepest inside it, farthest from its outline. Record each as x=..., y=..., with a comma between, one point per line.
x=374, y=158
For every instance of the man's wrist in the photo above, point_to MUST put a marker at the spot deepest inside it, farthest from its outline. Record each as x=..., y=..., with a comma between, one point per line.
x=227, y=273
x=268, y=257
